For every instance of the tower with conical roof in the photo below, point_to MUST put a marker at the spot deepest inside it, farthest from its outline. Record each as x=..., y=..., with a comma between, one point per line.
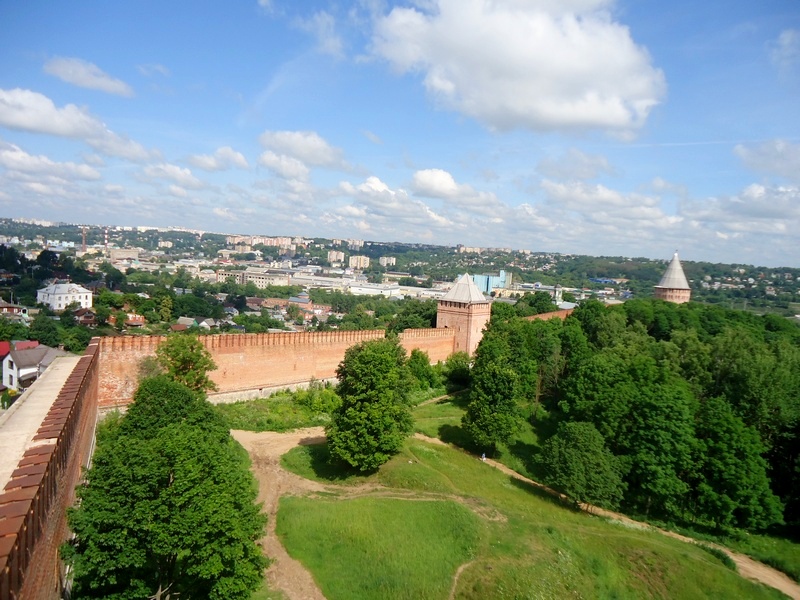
x=673, y=286
x=466, y=310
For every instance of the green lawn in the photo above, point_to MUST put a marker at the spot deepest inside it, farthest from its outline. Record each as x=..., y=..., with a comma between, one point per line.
x=449, y=509
x=367, y=548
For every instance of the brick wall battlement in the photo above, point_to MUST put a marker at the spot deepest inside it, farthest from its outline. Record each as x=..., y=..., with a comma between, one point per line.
x=33, y=504
x=259, y=361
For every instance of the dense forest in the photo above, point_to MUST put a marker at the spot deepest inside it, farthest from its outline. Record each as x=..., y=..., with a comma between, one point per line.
x=685, y=413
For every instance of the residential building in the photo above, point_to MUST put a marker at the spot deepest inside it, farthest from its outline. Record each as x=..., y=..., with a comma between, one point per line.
x=21, y=367
x=359, y=262
x=387, y=261
x=58, y=296
x=335, y=256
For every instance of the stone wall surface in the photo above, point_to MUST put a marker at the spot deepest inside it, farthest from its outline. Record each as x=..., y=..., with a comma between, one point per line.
x=33, y=505
x=254, y=361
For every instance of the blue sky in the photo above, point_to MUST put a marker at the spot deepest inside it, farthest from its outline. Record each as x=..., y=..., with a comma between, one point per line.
x=575, y=126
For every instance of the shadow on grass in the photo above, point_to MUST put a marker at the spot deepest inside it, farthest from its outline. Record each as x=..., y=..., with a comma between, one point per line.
x=453, y=434
x=324, y=466
x=543, y=494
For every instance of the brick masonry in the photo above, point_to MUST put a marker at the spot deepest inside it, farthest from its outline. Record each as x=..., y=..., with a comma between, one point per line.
x=254, y=361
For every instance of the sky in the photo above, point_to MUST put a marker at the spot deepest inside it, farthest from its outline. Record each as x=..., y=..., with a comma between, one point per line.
x=597, y=127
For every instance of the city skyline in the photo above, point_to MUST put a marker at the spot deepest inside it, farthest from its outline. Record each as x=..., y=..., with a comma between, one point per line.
x=580, y=127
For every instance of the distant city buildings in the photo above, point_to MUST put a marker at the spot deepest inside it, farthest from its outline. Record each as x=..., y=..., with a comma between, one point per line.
x=335, y=256
x=359, y=262
x=387, y=261
x=490, y=281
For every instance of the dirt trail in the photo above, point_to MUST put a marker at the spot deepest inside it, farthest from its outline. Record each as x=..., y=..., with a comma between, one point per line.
x=265, y=449
x=292, y=578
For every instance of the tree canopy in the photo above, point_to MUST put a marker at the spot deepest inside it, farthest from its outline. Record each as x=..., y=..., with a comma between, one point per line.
x=185, y=360
x=374, y=417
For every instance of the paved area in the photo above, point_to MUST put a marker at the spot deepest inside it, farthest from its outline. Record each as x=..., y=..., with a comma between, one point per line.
x=19, y=424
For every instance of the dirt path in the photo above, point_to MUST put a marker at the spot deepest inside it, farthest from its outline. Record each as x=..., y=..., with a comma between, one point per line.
x=265, y=449
x=292, y=578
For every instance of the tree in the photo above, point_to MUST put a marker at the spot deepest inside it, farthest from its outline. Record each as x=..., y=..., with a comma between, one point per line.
x=420, y=366
x=170, y=516
x=577, y=462
x=186, y=360
x=45, y=331
x=375, y=417
x=733, y=488
x=491, y=416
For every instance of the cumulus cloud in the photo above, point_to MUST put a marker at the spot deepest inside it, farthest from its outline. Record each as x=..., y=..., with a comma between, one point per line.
x=575, y=164
x=177, y=191
x=15, y=159
x=284, y=166
x=775, y=157
x=223, y=158
x=305, y=146
x=25, y=110
x=322, y=26
x=785, y=51
x=86, y=75
x=378, y=204
x=552, y=65
x=437, y=183
x=174, y=173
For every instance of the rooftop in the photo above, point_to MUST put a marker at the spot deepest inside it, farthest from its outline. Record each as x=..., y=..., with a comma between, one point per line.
x=674, y=277
x=465, y=291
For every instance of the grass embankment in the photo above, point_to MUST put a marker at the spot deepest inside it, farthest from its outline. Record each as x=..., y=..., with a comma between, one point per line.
x=525, y=544
x=443, y=419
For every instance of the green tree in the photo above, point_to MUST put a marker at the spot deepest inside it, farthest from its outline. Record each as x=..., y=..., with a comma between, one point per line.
x=492, y=415
x=173, y=515
x=12, y=331
x=186, y=360
x=456, y=371
x=733, y=488
x=375, y=417
x=575, y=461
x=420, y=366
x=45, y=331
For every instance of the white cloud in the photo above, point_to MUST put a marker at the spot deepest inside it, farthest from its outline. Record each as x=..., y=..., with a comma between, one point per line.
x=323, y=27
x=179, y=175
x=177, y=191
x=437, y=183
x=284, y=166
x=153, y=69
x=14, y=158
x=575, y=164
x=776, y=157
x=372, y=137
x=26, y=110
x=552, y=65
x=305, y=146
x=785, y=51
x=223, y=158
x=86, y=75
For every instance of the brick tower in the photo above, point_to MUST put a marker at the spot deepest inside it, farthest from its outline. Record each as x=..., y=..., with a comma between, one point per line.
x=465, y=309
x=673, y=286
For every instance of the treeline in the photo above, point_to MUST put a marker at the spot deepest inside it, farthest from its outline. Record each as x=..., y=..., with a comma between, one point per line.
x=681, y=412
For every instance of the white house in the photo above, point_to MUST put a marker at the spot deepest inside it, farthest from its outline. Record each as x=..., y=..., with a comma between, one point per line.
x=60, y=295
x=22, y=367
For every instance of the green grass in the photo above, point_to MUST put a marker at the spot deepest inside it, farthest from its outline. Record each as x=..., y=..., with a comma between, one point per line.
x=276, y=413
x=778, y=552
x=367, y=548
x=314, y=462
x=525, y=544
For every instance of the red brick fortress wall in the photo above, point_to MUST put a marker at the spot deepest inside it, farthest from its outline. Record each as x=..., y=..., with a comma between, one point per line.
x=33, y=505
x=254, y=361
x=438, y=343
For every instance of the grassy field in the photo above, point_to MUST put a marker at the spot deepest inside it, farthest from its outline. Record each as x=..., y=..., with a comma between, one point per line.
x=277, y=413
x=515, y=541
x=365, y=548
